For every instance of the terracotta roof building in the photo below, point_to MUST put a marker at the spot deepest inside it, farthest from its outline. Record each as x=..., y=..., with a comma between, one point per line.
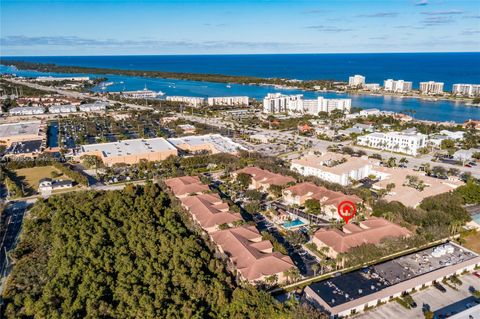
x=252, y=256
x=329, y=200
x=262, y=179
x=370, y=231
x=209, y=211
x=186, y=185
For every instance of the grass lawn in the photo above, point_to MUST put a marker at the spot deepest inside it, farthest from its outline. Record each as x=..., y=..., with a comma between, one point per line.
x=31, y=176
x=472, y=242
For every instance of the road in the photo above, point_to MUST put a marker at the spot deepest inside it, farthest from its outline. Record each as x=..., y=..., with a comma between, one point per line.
x=74, y=94
x=14, y=218
x=323, y=145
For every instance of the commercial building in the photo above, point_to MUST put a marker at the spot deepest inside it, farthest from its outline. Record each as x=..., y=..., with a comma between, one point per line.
x=411, y=187
x=56, y=109
x=210, y=212
x=130, y=151
x=431, y=87
x=370, y=231
x=98, y=106
x=437, y=139
x=30, y=149
x=465, y=155
x=186, y=186
x=187, y=128
x=398, y=86
x=333, y=167
x=401, y=142
x=21, y=132
x=188, y=100
x=141, y=94
x=352, y=293
x=251, y=255
x=212, y=143
x=329, y=200
x=263, y=179
x=228, y=100
x=356, y=80
x=51, y=78
x=26, y=110
x=466, y=89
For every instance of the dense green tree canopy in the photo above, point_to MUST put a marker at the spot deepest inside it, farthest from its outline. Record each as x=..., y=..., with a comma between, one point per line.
x=122, y=254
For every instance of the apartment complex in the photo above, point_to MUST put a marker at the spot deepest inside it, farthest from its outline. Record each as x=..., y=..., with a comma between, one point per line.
x=329, y=200
x=56, y=109
x=93, y=107
x=401, y=142
x=296, y=104
x=281, y=103
x=210, y=212
x=356, y=80
x=397, y=86
x=333, y=167
x=228, y=100
x=188, y=100
x=130, y=151
x=186, y=186
x=26, y=110
x=431, y=87
x=466, y=89
x=249, y=256
x=370, y=231
x=383, y=282
x=263, y=179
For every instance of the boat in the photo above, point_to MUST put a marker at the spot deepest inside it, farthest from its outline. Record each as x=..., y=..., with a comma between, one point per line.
x=229, y=86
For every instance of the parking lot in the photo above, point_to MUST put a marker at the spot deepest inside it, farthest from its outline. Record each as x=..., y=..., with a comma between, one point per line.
x=442, y=304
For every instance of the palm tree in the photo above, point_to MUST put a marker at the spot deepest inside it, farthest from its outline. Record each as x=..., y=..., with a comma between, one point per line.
x=315, y=268
x=272, y=280
x=295, y=274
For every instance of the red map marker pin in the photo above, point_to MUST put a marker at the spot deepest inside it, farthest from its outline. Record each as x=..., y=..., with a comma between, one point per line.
x=347, y=210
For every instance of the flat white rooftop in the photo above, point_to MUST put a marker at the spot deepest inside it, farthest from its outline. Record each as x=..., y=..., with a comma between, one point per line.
x=130, y=147
x=220, y=143
x=21, y=128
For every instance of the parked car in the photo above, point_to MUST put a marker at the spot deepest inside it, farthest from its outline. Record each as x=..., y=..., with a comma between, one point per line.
x=439, y=287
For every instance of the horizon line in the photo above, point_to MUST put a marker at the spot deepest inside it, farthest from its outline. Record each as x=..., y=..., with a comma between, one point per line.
x=233, y=54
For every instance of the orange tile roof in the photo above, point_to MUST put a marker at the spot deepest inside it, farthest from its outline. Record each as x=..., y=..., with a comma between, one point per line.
x=266, y=177
x=252, y=256
x=323, y=195
x=186, y=185
x=370, y=231
x=209, y=210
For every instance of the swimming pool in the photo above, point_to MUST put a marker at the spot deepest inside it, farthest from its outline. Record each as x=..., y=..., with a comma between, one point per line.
x=293, y=224
x=476, y=218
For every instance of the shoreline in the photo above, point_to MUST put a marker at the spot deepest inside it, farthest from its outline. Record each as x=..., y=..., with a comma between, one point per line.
x=331, y=86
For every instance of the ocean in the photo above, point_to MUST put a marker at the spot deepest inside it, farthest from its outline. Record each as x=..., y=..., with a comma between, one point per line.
x=447, y=67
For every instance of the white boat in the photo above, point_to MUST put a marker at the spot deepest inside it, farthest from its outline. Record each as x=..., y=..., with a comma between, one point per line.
x=229, y=86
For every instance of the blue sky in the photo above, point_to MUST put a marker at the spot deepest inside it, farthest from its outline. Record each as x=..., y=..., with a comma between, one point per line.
x=233, y=26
